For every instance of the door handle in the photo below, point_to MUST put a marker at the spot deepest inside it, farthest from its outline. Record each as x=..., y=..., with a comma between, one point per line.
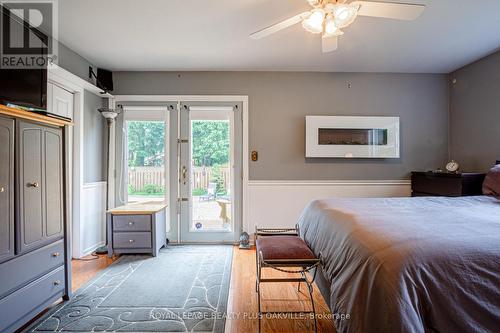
x=2, y=189
x=35, y=185
x=184, y=175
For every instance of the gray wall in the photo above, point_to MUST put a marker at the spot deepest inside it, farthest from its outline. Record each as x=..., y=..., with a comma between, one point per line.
x=475, y=114
x=279, y=101
x=94, y=140
x=74, y=63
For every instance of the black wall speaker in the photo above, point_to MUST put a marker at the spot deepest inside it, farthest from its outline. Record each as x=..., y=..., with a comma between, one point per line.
x=104, y=79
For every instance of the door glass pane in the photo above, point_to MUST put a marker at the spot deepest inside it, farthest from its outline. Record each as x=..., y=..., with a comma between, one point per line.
x=146, y=161
x=210, y=172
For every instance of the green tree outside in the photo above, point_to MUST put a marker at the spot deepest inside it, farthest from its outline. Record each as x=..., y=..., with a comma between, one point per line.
x=146, y=143
x=210, y=142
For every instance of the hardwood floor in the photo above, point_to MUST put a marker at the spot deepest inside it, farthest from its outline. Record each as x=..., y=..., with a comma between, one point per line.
x=242, y=302
x=86, y=269
x=275, y=297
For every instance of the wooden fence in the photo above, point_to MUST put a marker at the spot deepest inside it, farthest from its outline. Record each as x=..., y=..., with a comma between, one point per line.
x=139, y=177
x=202, y=176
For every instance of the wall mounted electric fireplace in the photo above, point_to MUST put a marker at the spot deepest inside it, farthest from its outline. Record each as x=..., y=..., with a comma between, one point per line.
x=352, y=137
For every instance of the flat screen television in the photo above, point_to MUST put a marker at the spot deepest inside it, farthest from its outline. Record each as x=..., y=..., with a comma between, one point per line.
x=24, y=87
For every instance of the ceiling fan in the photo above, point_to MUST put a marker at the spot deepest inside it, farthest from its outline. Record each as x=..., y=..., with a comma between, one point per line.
x=329, y=17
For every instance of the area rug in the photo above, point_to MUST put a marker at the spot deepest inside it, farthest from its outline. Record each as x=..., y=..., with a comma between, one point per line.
x=184, y=289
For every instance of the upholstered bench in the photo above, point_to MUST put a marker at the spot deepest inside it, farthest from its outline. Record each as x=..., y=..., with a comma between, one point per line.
x=285, y=251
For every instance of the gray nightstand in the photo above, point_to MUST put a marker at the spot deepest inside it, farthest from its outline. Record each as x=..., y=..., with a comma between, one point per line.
x=136, y=228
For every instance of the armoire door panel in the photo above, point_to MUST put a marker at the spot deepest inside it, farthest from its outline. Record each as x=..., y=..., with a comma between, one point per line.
x=53, y=183
x=31, y=231
x=6, y=189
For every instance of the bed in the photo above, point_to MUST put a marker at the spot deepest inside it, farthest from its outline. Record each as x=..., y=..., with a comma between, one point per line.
x=428, y=264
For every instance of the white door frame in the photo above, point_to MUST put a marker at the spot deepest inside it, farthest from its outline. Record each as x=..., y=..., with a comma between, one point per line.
x=77, y=87
x=243, y=99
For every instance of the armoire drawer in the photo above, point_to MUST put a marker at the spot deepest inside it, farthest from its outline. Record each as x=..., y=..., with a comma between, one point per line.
x=19, y=271
x=24, y=301
x=132, y=240
x=132, y=223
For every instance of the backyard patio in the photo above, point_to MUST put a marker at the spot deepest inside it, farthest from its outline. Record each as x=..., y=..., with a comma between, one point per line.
x=210, y=206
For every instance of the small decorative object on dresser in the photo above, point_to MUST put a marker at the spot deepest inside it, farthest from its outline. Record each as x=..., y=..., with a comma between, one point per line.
x=137, y=228
x=446, y=184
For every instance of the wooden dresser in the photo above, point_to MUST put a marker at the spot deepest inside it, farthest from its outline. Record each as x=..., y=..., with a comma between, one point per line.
x=137, y=228
x=35, y=262
x=446, y=184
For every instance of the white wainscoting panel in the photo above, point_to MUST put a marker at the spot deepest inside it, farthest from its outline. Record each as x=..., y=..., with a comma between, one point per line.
x=280, y=203
x=92, y=225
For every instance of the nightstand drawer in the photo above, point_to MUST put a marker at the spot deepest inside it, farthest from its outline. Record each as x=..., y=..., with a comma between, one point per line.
x=132, y=240
x=435, y=185
x=132, y=223
x=446, y=184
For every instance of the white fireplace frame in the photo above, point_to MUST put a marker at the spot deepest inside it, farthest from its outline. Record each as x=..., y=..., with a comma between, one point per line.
x=315, y=150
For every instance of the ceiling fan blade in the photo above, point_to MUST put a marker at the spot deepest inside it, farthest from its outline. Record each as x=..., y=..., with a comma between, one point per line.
x=329, y=44
x=280, y=26
x=391, y=10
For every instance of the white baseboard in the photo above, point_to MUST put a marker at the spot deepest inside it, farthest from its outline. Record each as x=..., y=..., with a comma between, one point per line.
x=92, y=248
x=280, y=203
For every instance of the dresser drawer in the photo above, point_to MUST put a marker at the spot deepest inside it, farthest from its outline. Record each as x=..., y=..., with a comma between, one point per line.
x=132, y=223
x=17, y=272
x=132, y=240
x=31, y=297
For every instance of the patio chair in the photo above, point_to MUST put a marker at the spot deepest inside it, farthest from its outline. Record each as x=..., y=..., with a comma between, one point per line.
x=211, y=192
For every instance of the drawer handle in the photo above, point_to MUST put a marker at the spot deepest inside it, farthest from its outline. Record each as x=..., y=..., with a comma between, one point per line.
x=57, y=283
x=131, y=223
x=35, y=185
x=131, y=240
x=56, y=254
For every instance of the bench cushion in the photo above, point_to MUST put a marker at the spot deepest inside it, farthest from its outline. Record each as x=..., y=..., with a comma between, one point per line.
x=283, y=247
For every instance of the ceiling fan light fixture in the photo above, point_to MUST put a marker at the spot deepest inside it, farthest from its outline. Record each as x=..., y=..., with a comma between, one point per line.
x=330, y=25
x=313, y=3
x=345, y=14
x=314, y=23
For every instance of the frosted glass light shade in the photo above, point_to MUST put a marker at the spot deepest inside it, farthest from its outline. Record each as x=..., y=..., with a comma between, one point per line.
x=345, y=14
x=330, y=25
x=314, y=23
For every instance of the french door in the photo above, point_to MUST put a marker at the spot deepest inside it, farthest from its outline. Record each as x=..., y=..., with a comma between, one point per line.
x=209, y=171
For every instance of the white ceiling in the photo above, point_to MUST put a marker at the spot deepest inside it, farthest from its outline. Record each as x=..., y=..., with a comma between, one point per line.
x=200, y=35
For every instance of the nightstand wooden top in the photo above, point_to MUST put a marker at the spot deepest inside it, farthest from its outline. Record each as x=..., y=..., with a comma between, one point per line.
x=447, y=174
x=138, y=208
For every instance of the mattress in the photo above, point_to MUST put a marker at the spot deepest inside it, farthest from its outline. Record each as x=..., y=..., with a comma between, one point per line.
x=428, y=264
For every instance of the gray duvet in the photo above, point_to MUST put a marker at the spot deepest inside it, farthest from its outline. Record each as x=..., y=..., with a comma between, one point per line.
x=409, y=264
